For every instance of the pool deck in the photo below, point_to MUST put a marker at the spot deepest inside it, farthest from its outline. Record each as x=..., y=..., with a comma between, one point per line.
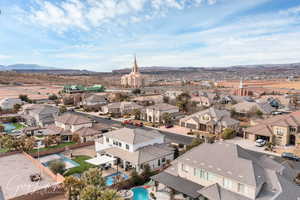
x=15, y=171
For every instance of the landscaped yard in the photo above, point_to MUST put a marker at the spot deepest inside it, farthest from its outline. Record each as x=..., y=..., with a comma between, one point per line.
x=54, y=147
x=18, y=126
x=83, y=165
x=2, y=150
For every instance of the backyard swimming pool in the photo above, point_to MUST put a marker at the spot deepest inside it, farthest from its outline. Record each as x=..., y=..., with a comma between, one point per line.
x=110, y=178
x=46, y=160
x=9, y=127
x=140, y=193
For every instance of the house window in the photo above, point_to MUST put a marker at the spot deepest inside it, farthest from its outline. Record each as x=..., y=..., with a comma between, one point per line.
x=227, y=183
x=211, y=177
x=127, y=146
x=158, y=162
x=163, y=160
x=292, y=129
x=241, y=188
x=203, y=174
x=120, y=144
x=184, y=168
x=279, y=131
x=107, y=140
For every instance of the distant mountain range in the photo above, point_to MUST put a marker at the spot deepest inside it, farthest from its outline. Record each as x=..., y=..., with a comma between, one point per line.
x=162, y=69
x=34, y=68
x=25, y=67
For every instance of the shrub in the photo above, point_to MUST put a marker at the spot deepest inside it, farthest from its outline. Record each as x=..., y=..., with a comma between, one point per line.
x=228, y=133
x=53, y=97
x=57, y=166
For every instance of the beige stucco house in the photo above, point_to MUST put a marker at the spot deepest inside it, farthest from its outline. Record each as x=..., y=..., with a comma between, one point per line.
x=225, y=171
x=280, y=130
x=210, y=120
x=134, y=148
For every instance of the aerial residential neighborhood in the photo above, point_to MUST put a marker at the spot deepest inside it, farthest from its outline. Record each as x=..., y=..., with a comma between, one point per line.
x=149, y=100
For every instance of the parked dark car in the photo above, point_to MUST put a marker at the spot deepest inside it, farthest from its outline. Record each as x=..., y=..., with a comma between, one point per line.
x=290, y=156
x=169, y=126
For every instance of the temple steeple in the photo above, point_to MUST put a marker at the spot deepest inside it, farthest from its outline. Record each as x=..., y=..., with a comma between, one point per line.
x=241, y=83
x=135, y=68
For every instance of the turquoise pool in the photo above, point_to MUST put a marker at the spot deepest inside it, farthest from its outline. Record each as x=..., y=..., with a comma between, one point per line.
x=110, y=178
x=46, y=160
x=9, y=127
x=140, y=193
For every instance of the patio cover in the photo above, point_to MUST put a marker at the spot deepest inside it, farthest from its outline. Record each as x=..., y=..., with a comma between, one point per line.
x=100, y=160
x=179, y=184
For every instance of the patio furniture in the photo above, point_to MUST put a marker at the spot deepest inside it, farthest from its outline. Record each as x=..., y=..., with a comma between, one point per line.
x=35, y=177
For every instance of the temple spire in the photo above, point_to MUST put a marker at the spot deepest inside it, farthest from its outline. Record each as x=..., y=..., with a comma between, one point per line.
x=241, y=83
x=135, y=68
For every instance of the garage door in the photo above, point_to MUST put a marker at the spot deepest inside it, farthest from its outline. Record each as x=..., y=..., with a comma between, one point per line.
x=191, y=126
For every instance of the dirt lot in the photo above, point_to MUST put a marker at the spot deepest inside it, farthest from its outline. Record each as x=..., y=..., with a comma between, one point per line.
x=33, y=91
x=261, y=83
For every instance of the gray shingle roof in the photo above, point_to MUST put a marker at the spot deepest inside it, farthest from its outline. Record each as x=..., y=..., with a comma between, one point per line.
x=179, y=184
x=73, y=119
x=134, y=136
x=162, y=107
x=142, y=155
x=272, y=180
x=217, y=116
x=237, y=163
x=215, y=192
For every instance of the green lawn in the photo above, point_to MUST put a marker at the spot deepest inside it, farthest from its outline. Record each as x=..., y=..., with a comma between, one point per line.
x=83, y=165
x=18, y=126
x=2, y=150
x=54, y=147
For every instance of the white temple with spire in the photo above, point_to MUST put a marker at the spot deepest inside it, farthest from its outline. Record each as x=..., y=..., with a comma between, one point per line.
x=135, y=79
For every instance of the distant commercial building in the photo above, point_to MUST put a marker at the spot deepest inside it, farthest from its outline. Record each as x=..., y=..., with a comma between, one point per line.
x=135, y=79
x=70, y=89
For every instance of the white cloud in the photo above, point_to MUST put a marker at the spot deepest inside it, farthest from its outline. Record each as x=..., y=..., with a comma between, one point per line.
x=67, y=14
x=2, y=57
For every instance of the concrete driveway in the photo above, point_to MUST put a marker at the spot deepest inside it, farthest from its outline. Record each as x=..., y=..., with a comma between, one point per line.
x=247, y=144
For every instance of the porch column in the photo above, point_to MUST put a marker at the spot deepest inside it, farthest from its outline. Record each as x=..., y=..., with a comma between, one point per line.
x=137, y=167
x=124, y=164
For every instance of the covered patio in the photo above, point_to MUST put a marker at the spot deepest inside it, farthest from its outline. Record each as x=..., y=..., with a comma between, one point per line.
x=176, y=184
x=101, y=160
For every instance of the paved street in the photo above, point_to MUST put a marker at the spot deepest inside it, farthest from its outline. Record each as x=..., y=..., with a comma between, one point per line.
x=170, y=137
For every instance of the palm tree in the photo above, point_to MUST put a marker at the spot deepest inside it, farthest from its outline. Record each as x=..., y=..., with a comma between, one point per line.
x=136, y=113
x=109, y=194
x=72, y=187
x=167, y=118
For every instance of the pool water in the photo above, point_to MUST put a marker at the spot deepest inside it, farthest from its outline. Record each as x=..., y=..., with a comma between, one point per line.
x=46, y=160
x=110, y=178
x=140, y=193
x=9, y=127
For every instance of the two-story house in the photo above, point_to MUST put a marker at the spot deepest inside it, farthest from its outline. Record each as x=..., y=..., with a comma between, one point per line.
x=155, y=112
x=205, y=99
x=134, y=148
x=210, y=120
x=70, y=123
x=248, y=107
x=172, y=94
x=39, y=114
x=223, y=171
x=123, y=107
x=9, y=103
x=94, y=101
x=280, y=130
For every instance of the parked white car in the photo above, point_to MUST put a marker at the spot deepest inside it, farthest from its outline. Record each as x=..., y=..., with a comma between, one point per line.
x=260, y=143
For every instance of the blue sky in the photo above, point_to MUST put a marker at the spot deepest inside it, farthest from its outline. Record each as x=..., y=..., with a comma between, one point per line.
x=103, y=35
